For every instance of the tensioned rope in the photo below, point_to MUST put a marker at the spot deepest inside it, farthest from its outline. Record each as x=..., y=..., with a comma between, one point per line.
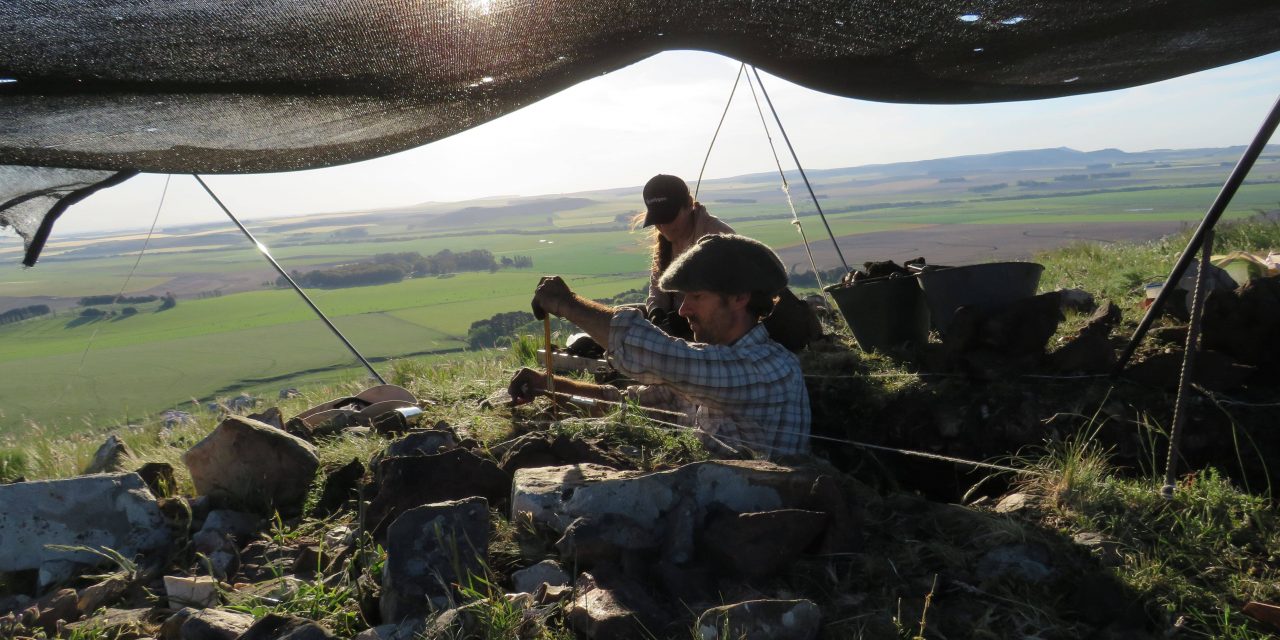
x=671, y=426
x=262, y=248
x=145, y=243
x=786, y=187
x=698, y=185
x=796, y=158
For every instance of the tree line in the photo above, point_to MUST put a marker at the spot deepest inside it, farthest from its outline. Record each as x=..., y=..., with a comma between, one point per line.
x=90, y=301
x=23, y=313
x=385, y=268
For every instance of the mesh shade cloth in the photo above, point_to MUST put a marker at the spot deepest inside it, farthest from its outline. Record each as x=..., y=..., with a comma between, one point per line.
x=225, y=86
x=246, y=86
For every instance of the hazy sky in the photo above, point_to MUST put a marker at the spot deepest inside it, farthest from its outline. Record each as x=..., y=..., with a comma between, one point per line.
x=658, y=116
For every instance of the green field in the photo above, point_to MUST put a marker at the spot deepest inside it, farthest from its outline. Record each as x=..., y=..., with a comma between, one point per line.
x=63, y=374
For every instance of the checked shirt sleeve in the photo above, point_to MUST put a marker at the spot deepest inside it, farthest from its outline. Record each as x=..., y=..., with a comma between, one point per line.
x=748, y=393
x=715, y=376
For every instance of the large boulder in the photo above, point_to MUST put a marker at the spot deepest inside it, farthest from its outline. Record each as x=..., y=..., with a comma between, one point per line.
x=429, y=549
x=403, y=483
x=556, y=496
x=251, y=465
x=99, y=512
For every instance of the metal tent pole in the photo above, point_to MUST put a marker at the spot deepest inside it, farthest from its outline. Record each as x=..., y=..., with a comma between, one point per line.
x=263, y=250
x=1210, y=219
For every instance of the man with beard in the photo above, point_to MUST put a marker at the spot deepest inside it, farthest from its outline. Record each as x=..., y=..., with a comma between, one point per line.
x=732, y=383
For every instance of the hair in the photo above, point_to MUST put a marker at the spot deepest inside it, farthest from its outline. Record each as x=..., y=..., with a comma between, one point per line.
x=662, y=250
x=761, y=304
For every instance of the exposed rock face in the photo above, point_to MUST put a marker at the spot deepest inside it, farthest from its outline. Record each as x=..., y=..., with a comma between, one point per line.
x=339, y=486
x=761, y=544
x=413, y=481
x=430, y=548
x=761, y=620
x=252, y=465
x=114, y=511
x=556, y=496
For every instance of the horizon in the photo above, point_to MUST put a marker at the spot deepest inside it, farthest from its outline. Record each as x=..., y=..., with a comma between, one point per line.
x=108, y=233
x=666, y=107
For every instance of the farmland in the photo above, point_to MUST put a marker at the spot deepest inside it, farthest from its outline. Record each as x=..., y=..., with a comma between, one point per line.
x=233, y=331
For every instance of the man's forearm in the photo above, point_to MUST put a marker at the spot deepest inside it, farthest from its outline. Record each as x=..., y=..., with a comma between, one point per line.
x=569, y=388
x=590, y=316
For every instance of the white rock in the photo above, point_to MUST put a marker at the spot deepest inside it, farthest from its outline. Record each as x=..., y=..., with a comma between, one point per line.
x=110, y=511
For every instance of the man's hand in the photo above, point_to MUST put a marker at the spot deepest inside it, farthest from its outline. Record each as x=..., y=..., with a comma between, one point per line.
x=525, y=385
x=550, y=296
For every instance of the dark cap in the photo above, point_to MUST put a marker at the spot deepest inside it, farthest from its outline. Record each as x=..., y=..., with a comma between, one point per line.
x=726, y=263
x=664, y=197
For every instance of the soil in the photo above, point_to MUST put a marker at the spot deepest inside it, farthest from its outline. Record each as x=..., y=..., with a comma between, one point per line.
x=958, y=244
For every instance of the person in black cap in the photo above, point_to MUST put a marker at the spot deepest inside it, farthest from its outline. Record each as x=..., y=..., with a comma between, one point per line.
x=736, y=386
x=678, y=223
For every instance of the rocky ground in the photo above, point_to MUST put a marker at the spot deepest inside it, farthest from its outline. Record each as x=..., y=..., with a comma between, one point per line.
x=618, y=528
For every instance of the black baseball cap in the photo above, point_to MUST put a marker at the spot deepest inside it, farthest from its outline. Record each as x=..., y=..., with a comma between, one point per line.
x=664, y=197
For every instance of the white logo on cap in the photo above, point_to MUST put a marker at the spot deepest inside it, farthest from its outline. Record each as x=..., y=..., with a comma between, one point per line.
x=656, y=200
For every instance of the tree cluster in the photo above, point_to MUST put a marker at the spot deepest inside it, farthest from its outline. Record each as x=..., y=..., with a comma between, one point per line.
x=89, y=301
x=23, y=313
x=385, y=268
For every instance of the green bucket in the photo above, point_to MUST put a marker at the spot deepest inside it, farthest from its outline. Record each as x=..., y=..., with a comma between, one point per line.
x=886, y=314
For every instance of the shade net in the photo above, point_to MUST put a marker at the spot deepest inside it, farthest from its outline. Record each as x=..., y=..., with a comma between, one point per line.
x=242, y=86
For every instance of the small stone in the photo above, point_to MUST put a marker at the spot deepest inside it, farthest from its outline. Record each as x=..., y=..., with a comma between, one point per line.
x=198, y=592
x=1014, y=503
x=546, y=572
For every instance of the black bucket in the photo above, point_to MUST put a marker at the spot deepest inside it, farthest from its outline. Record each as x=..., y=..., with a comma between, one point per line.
x=885, y=314
x=990, y=285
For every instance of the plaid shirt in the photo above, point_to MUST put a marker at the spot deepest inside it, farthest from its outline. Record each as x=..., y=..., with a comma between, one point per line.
x=748, y=394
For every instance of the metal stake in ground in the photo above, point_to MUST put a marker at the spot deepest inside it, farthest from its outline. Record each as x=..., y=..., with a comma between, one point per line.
x=546, y=349
x=1188, y=364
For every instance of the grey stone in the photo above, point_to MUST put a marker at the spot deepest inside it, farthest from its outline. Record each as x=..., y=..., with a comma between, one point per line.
x=278, y=627
x=406, y=482
x=1014, y=503
x=112, y=511
x=1029, y=562
x=1107, y=551
x=591, y=540
x=616, y=609
x=556, y=496
x=90, y=598
x=761, y=544
x=238, y=524
x=252, y=465
x=761, y=620
x=57, y=606
x=546, y=572
x=430, y=548
x=417, y=443
x=113, y=456
x=205, y=624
